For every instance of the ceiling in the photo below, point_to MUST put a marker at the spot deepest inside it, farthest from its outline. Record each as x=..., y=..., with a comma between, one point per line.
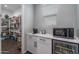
x=10, y=7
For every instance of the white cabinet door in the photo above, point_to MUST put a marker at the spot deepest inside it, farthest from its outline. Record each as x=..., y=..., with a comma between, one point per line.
x=35, y=43
x=38, y=45
x=32, y=44
x=44, y=46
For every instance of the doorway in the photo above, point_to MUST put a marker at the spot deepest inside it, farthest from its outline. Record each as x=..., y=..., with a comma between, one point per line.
x=11, y=28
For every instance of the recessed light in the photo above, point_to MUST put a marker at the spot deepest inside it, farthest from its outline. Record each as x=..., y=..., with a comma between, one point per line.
x=5, y=6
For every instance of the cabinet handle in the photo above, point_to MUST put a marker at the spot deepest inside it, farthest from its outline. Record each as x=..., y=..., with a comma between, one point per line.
x=35, y=44
x=42, y=39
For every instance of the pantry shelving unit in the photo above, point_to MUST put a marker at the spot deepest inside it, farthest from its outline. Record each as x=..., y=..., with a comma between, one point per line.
x=4, y=27
x=11, y=26
x=15, y=26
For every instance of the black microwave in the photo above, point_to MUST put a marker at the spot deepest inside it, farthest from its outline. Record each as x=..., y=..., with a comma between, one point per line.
x=63, y=32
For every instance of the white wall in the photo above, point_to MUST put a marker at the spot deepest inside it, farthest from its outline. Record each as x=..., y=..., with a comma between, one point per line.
x=17, y=12
x=11, y=14
x=27, y=23
x=5, y=12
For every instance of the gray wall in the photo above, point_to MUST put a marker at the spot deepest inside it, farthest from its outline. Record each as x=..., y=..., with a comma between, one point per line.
x=0, y=27
x=66, y=17
x=77, y=22
x=39, y=21
x=38, y=18
x=28, y=18
x=27, y=23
